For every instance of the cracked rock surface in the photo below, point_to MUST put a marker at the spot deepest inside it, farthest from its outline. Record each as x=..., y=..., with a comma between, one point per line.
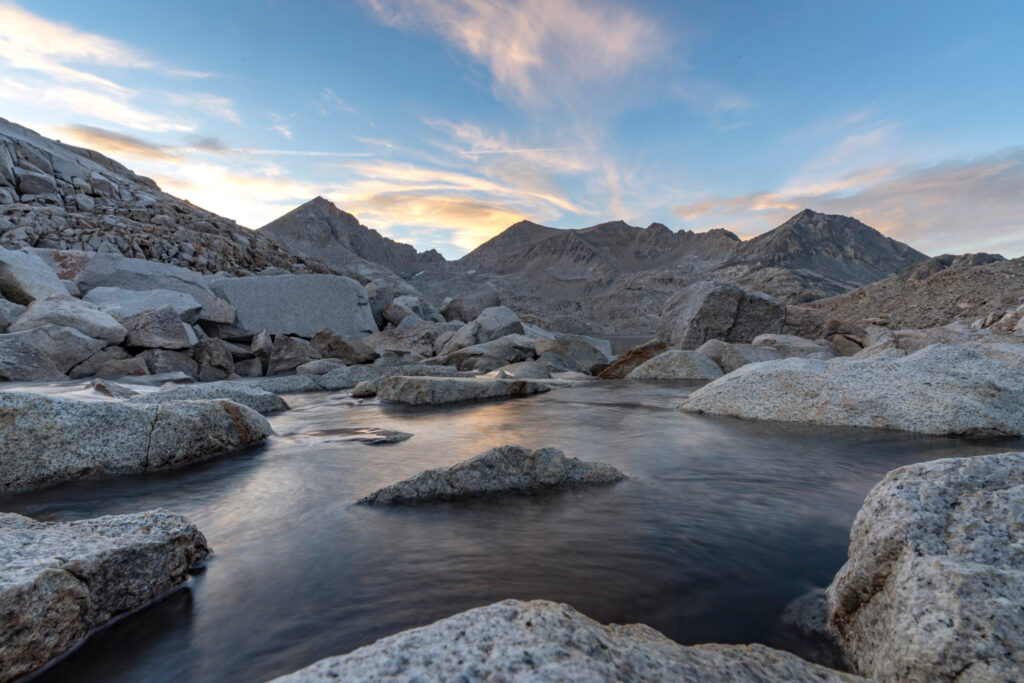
x=546, y=641
x=500, y=470
x=47, y=439
x=59, y=580
x=934, y=586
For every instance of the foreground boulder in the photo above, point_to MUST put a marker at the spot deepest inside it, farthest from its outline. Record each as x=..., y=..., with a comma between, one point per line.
x=300, y=305
x=939, y=390
x=59, y=580
x=500, y=470
x=244, y=394
x=718, y=310
x=547, y=641
x=934, y=584
x=632, y=359
x=428, y=391
x=680, y=365
x=47, y=439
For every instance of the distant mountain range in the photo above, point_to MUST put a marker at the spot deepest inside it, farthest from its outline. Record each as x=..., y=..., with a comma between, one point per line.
x=611, y=277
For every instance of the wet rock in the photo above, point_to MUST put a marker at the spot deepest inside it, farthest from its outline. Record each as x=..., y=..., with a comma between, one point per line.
x=938, y=390
x=469, y=306
x=160, y=328
x=67, y=311
x=289, y=353
x=300, y=305
x=364, y=390
x=346, y=347
x=111, y=389
x=679, y=365
x=547, y=641
x=44, y=353
x=124, y=303
x=718, y=310
x=244, y=394
x=632, y=359
x=934, y=583
x=214, y=358
x=803, y=630
x=46, y=439
x=438, y=390
x=59, y=580
x=24, y=277
x=500, y=470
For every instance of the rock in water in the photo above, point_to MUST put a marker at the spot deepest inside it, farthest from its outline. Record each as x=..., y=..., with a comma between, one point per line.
x=681, y=365
x=505, y=469
x=938, y=390
x=934, y=584
x=59, y=580
x=718, y=310
x=632, y=359
x=419, y=391
x=547, y=641
x=244, y=394
x=300, y=305
x=46, y=439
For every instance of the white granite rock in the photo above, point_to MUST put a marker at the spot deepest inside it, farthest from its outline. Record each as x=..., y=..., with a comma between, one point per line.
x=679, y=365
x=67, y=311
x=437, y=390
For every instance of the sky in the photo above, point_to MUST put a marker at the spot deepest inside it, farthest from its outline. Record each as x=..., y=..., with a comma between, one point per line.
x=442, y=122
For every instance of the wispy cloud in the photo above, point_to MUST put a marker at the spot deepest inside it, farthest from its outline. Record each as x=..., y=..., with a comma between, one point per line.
x=950, y=206
x=216, y=106
x=329, y=101
x=537, y=50
x=281, y=126
x=114, y=144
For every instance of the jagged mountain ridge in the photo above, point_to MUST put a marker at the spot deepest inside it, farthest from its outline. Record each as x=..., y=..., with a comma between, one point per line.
x=58, y=196
x=340, y=240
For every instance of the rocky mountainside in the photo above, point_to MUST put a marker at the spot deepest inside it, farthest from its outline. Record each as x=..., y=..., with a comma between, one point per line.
x=57, y=196
x=320, y=228
x=935, y=292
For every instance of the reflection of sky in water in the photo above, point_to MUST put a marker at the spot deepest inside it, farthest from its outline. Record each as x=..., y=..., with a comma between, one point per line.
x=721, y=523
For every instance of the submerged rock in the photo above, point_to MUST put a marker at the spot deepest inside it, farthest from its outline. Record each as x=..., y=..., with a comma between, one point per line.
x=939, y=390
x=499, y=470
x=934, y=583
x=420, y=391
x=547, y=641
x=681, y=365
x=240, y=392
x=59, y=580
x=47, y=439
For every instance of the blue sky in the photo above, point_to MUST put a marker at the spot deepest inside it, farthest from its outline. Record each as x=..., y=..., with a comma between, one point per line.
x=441, y=122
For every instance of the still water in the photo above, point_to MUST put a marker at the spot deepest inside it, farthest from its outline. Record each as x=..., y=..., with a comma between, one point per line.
x=721, y=523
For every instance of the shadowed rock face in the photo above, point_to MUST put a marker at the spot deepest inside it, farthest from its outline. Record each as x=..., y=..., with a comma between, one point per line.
x=44, y=439
x=934, y=584
x=60, y=580
x=506, y=469
x=547, y=641
x=938, y=390
x=718, y=310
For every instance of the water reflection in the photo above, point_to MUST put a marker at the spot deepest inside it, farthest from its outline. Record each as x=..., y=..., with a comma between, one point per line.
x=721, y=523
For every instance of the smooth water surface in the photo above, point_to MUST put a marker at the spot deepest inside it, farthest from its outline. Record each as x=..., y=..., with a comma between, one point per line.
x=721, y=523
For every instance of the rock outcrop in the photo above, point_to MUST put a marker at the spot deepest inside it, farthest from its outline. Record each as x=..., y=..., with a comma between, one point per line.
x=505, y=469
x=60, y=580
x=429, y=391
x=718, y=310
x=934, y=584
x=678, y=365
x=45, y=439
x=939, y=390
x=546, y=641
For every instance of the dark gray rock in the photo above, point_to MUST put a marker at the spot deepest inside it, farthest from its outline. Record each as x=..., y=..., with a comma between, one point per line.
x=689, y=366
x=60, y=580
x=162, y=361
x=215, y=360
x=160, y=328
x=9, y=312
x=468, y=306
x=439, y=390
x=347, y=347
x=128, y=366
x=89, y=366
x=44, y=353
x=67, y=311
x=500, y=470
x=718, y=310
x=289, y=353
x=24, y=277
x=244, y=394
x=124, y=303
